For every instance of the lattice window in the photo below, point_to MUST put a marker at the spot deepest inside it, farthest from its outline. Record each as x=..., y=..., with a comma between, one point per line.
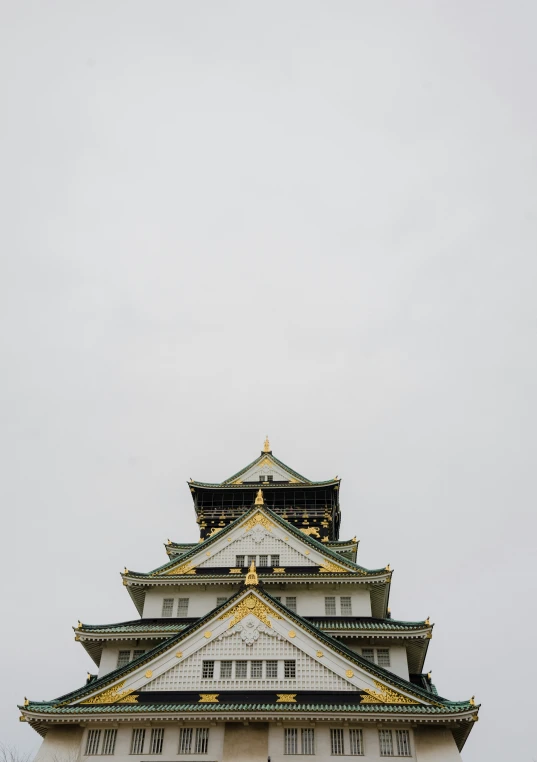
x=369, y=654
x=289, y=669
x=225, y=670
x=383, y=657
x=336, y=741
x=185, y=740
x=386, y=743
x=279, y=553
x=356, y=738
x=308, y=741
x=202, y=741
x=241, y=670
x=137, y=742
x=92, y=743
x=270, y=478
x=109, y=741
x=239, y=561
x=275, y=560
x=167, y=607
x=221, y=600
x=290, y=741
x=346, y=605
x=207, y=672
x=137, y=653
x=330, y=605
x=277, y=598
x=272, y=669
x=403, y=743
x=261, y=478
x=250, y=559
x=123, y=658
x=263, y=560
x=256, y=670
x=182, y=607
x=290, y=602
x=157, y=741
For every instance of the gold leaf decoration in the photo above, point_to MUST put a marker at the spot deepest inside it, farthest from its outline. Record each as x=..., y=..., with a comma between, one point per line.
x=187, y=568
x=113, y=695
x=311, y=531
x=286, y=698
x=256, y=519
x=250, y=605
x=208, y=698
x=328, y=566
x=384, y=695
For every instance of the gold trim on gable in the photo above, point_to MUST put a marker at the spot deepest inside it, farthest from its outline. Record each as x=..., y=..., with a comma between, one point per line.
x=113, y=696
x=384, y=695
x=187, y=568
x=258, y=518
x=250, y=605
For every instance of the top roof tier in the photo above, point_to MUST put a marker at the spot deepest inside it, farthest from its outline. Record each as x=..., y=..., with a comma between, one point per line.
x=307, y=504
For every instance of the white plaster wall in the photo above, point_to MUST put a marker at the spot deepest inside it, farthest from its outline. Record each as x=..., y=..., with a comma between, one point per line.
x=398, y=654
x=111, y=651
x=202, y=598
x=436, y=745
x=268, y=545
x=61, y=744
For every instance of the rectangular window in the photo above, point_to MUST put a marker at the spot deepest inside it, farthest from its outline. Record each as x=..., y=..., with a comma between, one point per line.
x=383, y=657
x=241, y=670
x=123, y=658
x=92, y=744
x=386, y=743
x=346, y=605
x=239, y=561
x=157, y=741
x=270, y=478
x=137, y=742
x=263, y=560
x=308, y=745
x=256, y=669
x=369, y=654
x=221, y=600
x=272, y=670
x=261, y=478
x=207, y=671
x=336, y=741
x=167, y=607
x=275, y=560
x=289, y=669
x=278, y=598
x=356, y=737
x=291, y=741
x=250, y=559
x=185, y=740
x=182, y=607
x=330, y=605
x=225, y=670
x=137, y=653
x=403, y=743
x=202, y=740
x=109, y=741
x=290, y=602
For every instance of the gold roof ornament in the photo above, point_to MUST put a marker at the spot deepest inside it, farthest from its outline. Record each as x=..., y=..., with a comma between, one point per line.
x=472, y=701
x=266, y=445
x=251, y=577
x=259, y=499
x=427, y=621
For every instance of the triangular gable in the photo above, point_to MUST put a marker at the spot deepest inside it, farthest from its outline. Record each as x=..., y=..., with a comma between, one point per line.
x=267, y=465
x=259, y=527
x=253, y=620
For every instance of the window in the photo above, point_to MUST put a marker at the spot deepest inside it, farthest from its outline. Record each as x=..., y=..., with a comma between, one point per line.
x=291, y=739
x=278, y=598
x=270, y=478
x=221, y=600
x=308, y=744
x=137, y=743
x=290, y=602
x=241, y=670
x=369, y=654
x=123, y=658
x=336, y=741
x=356, y=737
x=403, y=743
x=185, y=740
x=383, y=657
x=346, y=605
x=182, y=607
x=272, y=670
x=386, y=743
x=109, y=741
x=207, y=671
x=275, y=560
x=92, y=744
x=137, y=653
x=157, y=740
x=263, y=560
x=239, y=561
x=330, y=605
x=202, y=741
x=225, y=670
x=289, y=669
x=256, y=669
x=250, y=559
x=167, y=607
x=261, y=478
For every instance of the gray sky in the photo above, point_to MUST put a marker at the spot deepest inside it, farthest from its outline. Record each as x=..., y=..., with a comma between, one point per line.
x=312, y=220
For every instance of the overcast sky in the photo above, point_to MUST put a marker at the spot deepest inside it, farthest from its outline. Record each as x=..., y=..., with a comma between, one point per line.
x=315, y=220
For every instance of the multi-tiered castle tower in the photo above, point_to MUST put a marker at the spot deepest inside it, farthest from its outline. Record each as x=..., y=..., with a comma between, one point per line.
x=263, y=640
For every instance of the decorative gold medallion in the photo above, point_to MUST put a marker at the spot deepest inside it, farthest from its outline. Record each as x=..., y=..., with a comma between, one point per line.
x=149, y=673
x=349, y=673
x=208, y=698
x=286, y=698
x=179, y=654
x=306, y=552
x=292, y=634
x=207, y=634
x=319, y=654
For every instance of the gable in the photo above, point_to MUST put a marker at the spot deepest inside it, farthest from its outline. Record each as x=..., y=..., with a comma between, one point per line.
x=267, y=466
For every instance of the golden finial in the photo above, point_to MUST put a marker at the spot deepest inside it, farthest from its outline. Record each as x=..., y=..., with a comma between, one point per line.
x=266, y=445
x=387, y=568
x=79, y=625
x=354, y=539
x=429, y=675
x=26, y=702
x=125, y=570
x=251, y=577
x=427, y=621
x=169, y=542
x=259, y=500
x=472, y=701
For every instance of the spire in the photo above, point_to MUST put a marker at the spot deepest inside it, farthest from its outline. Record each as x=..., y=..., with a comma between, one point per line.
x=259, y=499
x=251, y=577
x=266, y=445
